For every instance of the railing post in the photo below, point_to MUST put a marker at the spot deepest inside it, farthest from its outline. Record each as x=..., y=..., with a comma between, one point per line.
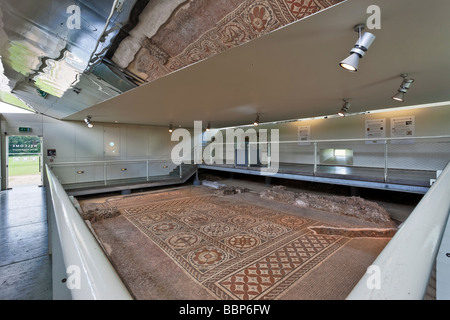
x=235, y=155
x=104, y=173
x=248, y=154
x=385, y=160
x=315, y=158
x=147, y=170
x=181, y=170
x=210, y=157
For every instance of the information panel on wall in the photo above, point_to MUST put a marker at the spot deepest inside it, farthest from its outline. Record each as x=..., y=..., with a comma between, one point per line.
x=375, y=129
x=402, y=127
x=304, y=134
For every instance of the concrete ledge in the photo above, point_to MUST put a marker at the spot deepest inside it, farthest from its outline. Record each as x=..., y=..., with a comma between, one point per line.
x=355, y=232
x=339, y=181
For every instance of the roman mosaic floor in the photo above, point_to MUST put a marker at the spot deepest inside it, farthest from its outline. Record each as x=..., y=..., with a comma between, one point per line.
x=192, y=243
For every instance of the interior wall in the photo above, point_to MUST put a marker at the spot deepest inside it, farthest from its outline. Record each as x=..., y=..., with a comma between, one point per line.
x=416, y=154
x=123, y=146
x=75, y=143
x=430, y=154
x=431, y=121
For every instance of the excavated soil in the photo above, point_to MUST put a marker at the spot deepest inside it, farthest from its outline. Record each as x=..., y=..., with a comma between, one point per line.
x=350, y=206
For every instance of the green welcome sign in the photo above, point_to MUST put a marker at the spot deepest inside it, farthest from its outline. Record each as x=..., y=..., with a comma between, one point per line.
x=24, y=144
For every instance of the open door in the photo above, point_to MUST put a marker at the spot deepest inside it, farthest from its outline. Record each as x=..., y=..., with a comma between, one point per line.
x=24, y=161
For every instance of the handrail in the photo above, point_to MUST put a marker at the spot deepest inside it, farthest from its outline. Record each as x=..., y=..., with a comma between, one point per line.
x=98, y=279
x=402, y=270
x=355, y=139
x=93, y=162
x=374, y=139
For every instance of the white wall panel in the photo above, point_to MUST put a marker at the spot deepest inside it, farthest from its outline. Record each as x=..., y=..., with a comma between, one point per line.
x=112, y=142
x=60, y=136
x=126, y=170
x=137, y=142
x=89, y=142
x=65, y=174
x=88, y=172
x=158, y=168
x=159, y=143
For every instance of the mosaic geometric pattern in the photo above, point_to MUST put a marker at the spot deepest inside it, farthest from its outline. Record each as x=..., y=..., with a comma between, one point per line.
x=235, y=249
x=245, y=21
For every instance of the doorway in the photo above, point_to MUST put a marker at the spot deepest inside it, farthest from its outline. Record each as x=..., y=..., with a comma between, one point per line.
x=249, y=154
x=24, y=161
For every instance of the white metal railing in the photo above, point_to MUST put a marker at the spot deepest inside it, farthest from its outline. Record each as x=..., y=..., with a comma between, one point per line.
x=95, y=277
x=402, y=270
x=113, y=169
x=384, y=154
x=423, y=153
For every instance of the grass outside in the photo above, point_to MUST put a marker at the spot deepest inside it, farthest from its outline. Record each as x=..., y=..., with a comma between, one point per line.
x=23, y=165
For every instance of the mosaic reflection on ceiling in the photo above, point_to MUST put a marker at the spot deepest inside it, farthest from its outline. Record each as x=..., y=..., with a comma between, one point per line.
x=199, y=29
x=53, y=66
